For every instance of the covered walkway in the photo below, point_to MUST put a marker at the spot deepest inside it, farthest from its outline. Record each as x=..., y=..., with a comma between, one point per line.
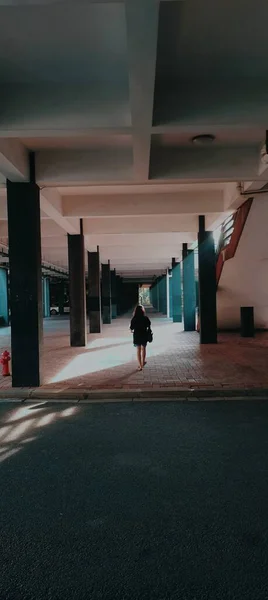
x=175, y=359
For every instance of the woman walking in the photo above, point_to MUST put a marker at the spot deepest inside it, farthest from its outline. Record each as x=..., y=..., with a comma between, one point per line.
x=140, y=326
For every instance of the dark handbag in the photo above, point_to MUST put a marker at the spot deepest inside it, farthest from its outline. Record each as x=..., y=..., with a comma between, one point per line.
x=149, y=336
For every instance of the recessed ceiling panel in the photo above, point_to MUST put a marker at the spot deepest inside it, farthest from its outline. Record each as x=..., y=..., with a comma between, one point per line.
x=213, y=41
x=63, y=43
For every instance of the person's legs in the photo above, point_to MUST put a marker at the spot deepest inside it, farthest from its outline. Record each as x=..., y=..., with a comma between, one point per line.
x=139, y=356
x=143, y=355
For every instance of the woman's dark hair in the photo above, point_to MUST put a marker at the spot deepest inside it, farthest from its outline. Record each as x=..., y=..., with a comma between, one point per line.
x=139, y=312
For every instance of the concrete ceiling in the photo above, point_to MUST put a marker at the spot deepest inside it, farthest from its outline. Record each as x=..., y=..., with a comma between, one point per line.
x=108, y=94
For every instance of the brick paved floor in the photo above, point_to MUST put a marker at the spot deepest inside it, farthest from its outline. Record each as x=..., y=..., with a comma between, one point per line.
x=175, y=359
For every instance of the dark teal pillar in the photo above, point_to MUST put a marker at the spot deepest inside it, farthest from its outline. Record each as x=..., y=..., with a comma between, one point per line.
x=4, y=317
x=161, y=295
x=76, y=254
x=154, y=294
x=176, y=292
x=106, y=294
x=189, y=300
x=164, y=294
x=158, y=294
x=46, y=297
x=94, y=294
x=170, y=295
x=118, y=281
x=23, y=204
x=207, y=285
x=113, y=294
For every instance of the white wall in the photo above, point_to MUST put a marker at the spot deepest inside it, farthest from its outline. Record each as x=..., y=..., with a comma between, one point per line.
x=244, y=279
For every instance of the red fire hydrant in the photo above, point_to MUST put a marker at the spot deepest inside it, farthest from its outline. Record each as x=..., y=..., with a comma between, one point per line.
x=5, y=358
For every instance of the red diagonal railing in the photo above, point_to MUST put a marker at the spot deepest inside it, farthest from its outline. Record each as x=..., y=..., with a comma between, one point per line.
x=232, y=229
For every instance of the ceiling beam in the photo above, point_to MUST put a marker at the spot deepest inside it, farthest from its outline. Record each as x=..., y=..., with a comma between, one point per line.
x=140, y=267
x=139, y=239
x=49, y=228
x=185, y=203
x=132, y=254
x=72, y=167
x=75, y=167
x=55, y=242
x=14, y=160
x=222, y=163
x=51, y=205
x=136, y=225
x=142, y=31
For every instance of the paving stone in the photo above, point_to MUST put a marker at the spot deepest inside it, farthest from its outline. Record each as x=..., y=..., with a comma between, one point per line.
x=176, y=361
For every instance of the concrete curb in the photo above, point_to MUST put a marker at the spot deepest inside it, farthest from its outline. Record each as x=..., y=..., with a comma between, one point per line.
x=134, y=395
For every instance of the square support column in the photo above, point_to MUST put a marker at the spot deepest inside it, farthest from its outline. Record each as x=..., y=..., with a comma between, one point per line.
x=4, y=316
x=176, y=292
x=113, y=294
x=106, y=293
x=207, y=285
x=23, y=204
x=76, y=254
x=118, y=282
x=158, y=294
x=46, y=297
x=154, y=294
x=170, y=295
x=167, y=294
x=164, y=294
x=94, y=292
x=189, y=299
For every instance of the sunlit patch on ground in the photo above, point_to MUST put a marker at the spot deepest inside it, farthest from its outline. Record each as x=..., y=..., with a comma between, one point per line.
x=175, y=359
x=25, y=425
x=113, y=352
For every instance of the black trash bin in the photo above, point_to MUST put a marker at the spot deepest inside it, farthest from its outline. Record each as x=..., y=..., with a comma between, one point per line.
x=247, y=321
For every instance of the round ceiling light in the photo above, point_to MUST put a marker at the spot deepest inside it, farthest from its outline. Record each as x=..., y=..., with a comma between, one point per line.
x=203, y=139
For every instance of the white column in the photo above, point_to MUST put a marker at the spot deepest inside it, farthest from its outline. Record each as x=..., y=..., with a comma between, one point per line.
x=168, y=307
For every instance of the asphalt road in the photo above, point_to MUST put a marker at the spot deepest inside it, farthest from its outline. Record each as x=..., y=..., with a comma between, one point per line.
x=149, y=501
